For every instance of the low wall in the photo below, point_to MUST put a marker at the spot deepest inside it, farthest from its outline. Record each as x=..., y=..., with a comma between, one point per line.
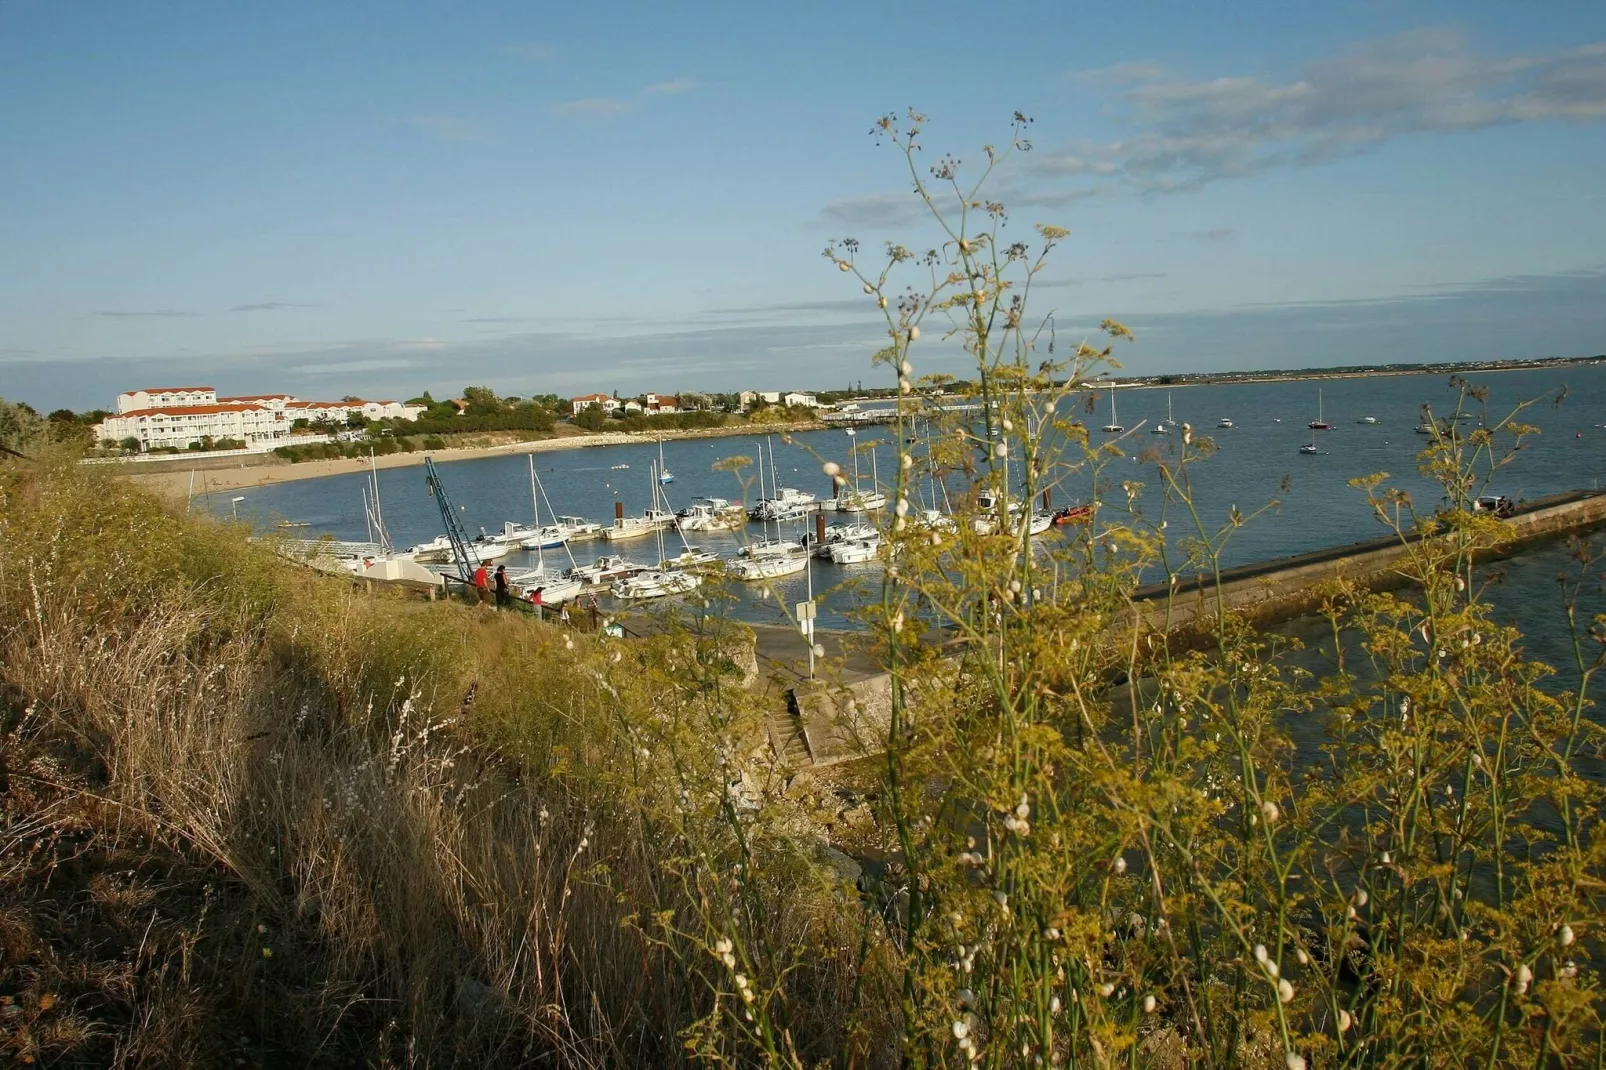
x=1274, y=591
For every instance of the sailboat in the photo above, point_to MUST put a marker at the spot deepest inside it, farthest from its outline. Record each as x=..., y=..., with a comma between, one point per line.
x=769, y=558
x=1311, y=447
x=1114, y=426
x=1164, y=427
x=857, y=500
x=555, y=586
x=1319, y=424
x=664, y=474
x=664, y=580
x=636, y=527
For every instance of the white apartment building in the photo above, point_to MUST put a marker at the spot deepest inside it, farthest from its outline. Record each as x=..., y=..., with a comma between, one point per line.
x=338, y=411
x=176, y=416
x=179, y=425
x=267, y=401
x=157, y=396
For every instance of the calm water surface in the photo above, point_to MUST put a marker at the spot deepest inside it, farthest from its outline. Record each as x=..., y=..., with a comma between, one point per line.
x=1255, y=458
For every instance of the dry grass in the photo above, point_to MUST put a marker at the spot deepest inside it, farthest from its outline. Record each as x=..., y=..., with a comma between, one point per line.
x=252, y=816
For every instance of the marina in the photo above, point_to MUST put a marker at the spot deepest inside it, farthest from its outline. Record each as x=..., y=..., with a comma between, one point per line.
x=589, y=490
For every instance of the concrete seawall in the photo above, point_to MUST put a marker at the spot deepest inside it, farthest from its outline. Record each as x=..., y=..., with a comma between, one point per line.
x=1274, y=591
x=827, y=725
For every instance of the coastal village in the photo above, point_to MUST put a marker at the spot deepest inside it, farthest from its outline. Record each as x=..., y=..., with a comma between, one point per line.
x=161, y=418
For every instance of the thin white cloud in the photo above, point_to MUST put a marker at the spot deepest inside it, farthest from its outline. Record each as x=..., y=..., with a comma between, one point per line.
x=609, y=107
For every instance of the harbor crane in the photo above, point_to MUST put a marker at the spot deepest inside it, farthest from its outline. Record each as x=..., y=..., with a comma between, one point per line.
x=454, y=527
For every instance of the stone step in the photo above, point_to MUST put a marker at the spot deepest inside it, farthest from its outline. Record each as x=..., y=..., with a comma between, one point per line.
x=786, y=738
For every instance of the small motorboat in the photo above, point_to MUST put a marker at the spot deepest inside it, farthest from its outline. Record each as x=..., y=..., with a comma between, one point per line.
x=655, y=585
x=1224, y=422
x=1073, y=514
x=767, y=566
x=854, y=551
x=1367, y=420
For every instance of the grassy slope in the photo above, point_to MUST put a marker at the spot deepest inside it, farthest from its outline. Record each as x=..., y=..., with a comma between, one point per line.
x=250, y=815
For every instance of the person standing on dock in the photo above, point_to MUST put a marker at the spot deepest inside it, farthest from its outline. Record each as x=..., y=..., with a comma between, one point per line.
x=502, y=598
x=482, y=584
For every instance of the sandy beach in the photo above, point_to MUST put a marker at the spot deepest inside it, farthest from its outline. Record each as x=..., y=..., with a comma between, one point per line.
x=266, y=468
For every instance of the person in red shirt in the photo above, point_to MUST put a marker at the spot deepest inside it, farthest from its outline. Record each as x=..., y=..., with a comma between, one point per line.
x=482, y=583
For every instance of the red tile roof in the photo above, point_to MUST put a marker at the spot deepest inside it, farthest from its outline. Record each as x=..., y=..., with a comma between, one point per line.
x=192, y=410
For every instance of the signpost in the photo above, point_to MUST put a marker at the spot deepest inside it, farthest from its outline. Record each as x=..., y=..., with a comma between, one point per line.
x=805, y=624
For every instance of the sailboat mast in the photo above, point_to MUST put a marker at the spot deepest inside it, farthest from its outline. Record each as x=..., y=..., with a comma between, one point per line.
x=535, y=522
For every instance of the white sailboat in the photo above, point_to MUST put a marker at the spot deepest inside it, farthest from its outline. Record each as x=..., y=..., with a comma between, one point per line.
x=664, y=474
x=1311, y=447
x=1319, y=424
x=770, y=557
x=555, y=586
x=1114, y=426
x=1164, y=427
x=859, y=500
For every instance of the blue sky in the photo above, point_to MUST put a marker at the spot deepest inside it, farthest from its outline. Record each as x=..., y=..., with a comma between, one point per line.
x=377, y=199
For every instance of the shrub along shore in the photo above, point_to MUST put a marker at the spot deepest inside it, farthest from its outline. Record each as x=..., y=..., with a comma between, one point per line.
x=172, y=479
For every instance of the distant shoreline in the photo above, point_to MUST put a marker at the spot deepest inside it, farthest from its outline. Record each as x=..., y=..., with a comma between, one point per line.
x=268, y=470
x=1289, y=375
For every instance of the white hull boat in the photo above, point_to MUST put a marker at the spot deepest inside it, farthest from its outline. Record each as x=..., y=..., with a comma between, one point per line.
x=768, y=567
x=710, y=514
x=788, y=503
x=636, y=527
x=854, y=551
x=440, y=549
x=511, y=533
x=839, y=533
x=691, y=557
x=554, y=588
x=579, y=527
x=770, y=548
x=604, y=571
x=655, y=584
x=549, y=537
